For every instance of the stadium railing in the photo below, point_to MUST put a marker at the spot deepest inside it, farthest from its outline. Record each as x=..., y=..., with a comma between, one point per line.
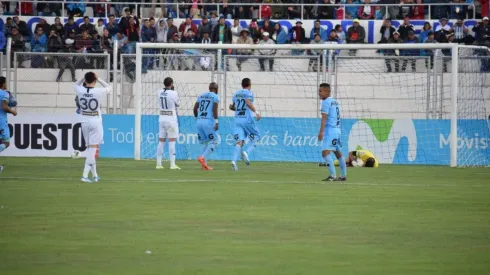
x=145, y=10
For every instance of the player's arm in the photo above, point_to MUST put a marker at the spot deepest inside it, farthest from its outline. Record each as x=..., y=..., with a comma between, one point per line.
x=252, y=108
x=7, y=109
x=78, y=83
x=232, y=106
x=196, y=107
x=107, y=86
x=215, y=115
x=322, y=126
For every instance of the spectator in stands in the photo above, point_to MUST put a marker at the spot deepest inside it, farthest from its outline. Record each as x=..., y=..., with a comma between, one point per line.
x=148, y=33
x=340, y=33
x=406, y=10
x=172, y=29
x=9, y=25
x=54, y=42
x=355, y=35
x=133, y=34
x=457, y=11
x=294, y=11
x=83, y=43
x=112, y=26
x=162, y=30
x=313, y=63
x=297, y=33
x=205, y=26
x=390, y=12
x=449, y=38
x=18, y=45
x=206, y=39
x=124, y=21
x=325, y=12
x=122, y=40
x=333, y=39
x=430, y=53
x=418, y=12
x=189, y=37
x=267, y=27
x=439, y=11
x=153, y=22
x=243, y=39
x=24, y=8
x=254, y=31
x=22, y=26
x=43, y=25
x=100, y=9
x=100, y=27
x=266, y=10
x=317, y=28
x=214, y=19
x=386, y=31
x=411, y=39
x=58, y=27
x=235, y=30
x=188, y=24
x=76, y=9
x=66, y=61
x=279, y=35
x=443, y=26
x=266, y=41
x=44, y=9
x=461, y=35
x=366, y=11
x=390, y=52
x=221, y=33
x=425, y=32
x=39, y=41
x=405, y=28
x=482, y=32
x=351, y=12
x=86, y=26
x=71, y=27
x=107, y=43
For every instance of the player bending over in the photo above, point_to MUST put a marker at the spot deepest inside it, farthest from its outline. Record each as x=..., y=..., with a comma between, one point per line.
x=7, y=103
x=330, y=133
x=367, y=157
x=89, y=99
x=206, y=113
x=168, y=101
x=244, y=122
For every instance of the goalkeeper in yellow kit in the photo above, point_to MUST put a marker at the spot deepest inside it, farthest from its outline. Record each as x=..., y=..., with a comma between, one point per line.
x=367, y=157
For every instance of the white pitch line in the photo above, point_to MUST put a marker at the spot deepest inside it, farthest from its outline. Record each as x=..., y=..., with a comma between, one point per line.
x=125, y=180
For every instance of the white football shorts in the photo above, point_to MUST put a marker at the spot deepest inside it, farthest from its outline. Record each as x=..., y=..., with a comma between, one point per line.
x=93, y=132
x=168, y=129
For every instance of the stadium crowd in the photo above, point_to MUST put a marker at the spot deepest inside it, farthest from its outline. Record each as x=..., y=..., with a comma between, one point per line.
x=128, y=29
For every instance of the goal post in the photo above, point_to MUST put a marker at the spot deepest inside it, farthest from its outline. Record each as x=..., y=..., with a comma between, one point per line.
x=306, y=80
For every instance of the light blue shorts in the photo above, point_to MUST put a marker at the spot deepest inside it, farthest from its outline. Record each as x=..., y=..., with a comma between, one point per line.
x=331, y=140
x=4, y=131
x=206, y=132
x=246, y=130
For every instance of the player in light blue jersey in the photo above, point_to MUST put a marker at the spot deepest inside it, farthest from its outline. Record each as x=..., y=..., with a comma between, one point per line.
x=330, y=133
x=206, y=113
x=245, y=127
x=6, y=108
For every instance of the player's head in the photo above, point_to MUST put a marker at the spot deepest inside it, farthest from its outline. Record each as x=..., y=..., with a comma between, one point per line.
x=324, y=90
x=369, y=162
x=246, y=83
x=168, y=82
x=90, y=78
x=213, y=87
x=3, y=82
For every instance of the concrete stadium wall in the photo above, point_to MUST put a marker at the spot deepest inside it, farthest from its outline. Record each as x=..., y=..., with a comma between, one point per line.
x=364, y=89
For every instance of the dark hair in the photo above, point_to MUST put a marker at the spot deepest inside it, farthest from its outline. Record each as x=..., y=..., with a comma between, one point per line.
x=86, y=17
x=112, y=15
x=90, y=77
x=168, y=81
x=100, y=19
x=370, y=162
x=71, y=18
x=324, y=85
x=213, y=86
x=246, y=82
x=337, y=26
x=3, y=80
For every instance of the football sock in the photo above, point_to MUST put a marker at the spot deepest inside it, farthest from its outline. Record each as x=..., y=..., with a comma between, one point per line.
x=343, y=167
x=171, y=152
x=204, y=148
x=209, y=150
x=236, y=153
x=160, y=153
x=331, y=167
x=251, y=146
x=89, y=161
x=2, y=147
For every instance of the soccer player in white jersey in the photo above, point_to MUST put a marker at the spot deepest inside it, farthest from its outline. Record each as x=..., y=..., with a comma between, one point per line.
x=329, y=133
x=245, y=127
x=168, y=101
x=206, y=113
x=89, y=98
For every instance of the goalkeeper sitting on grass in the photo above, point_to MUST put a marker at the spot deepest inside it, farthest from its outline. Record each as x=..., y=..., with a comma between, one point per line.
x=361, y=158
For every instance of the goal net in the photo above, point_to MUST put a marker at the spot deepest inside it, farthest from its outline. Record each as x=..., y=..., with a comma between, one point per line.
x=397, y=103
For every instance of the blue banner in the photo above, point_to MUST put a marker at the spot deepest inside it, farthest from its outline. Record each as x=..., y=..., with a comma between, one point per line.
x=295, y=139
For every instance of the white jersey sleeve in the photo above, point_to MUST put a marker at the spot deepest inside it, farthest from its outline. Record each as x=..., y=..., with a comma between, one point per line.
x=168, y=101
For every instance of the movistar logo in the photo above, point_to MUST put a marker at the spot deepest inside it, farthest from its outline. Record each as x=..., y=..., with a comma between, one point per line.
x=382, y=137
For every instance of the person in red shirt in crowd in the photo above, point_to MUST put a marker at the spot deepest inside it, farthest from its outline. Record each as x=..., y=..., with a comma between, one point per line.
x=188, y=24
x=418, y=11
x=485, y=4
x=265, y=10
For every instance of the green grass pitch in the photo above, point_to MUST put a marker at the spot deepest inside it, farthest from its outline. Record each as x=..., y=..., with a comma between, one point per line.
x=269, y=218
